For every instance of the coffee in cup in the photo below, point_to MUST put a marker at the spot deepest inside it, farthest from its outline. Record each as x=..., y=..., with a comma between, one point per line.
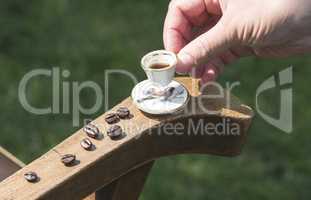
x=159, y=67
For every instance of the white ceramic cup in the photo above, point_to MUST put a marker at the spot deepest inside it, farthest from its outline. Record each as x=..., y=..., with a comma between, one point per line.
x=163, y=76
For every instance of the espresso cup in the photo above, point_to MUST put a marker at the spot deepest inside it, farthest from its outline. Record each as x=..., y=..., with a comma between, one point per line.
x=160, y=67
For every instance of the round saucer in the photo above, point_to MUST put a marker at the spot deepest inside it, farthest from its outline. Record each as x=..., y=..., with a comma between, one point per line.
x=159, y=105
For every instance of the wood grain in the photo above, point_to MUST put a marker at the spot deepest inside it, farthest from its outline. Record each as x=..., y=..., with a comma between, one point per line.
x=128, y=187
x=147, y=138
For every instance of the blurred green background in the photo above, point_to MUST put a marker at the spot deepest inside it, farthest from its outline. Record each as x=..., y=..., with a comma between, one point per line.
x=89, y=37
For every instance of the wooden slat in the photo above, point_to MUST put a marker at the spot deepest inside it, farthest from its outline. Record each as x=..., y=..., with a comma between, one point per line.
x=145, y=141
x=128, y=187
x=8, y=164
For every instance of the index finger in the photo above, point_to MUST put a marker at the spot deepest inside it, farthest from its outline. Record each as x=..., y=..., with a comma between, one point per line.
x=182, y=16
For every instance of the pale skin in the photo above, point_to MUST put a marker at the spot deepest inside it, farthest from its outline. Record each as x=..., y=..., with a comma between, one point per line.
x=209, y=34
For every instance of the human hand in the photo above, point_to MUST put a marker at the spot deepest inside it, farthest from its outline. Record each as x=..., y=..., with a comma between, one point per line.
x=208, y=34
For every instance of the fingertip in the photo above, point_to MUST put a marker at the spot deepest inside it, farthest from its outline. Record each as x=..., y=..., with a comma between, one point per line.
x=182, y=70
x=184, y=63
x=184, y=59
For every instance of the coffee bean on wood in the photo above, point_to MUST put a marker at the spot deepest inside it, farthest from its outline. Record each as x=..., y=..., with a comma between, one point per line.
x=115, y=132
x=68, y=159
x=91, y=130
x=123, y=112
x=31, y=177
x=86, y=144
x=111, y=118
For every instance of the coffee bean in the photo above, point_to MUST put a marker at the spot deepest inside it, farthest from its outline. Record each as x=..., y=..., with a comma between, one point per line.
x=115, y=132
x=112, y=118
x=68, y=159
x=31, y=177
x=86, y=144
x=123, y=112
x=91, y=130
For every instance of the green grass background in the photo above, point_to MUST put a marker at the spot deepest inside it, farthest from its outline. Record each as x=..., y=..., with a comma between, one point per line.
x=89, y=37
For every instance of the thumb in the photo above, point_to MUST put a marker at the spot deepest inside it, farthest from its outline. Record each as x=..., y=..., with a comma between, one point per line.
x=203, y=48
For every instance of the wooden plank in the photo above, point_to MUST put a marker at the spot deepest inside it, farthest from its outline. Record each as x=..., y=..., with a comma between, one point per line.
x=128, y=187
x=147, y=139
x=8, y=164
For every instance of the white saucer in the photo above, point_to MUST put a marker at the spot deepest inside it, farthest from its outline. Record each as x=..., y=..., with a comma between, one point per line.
x=159, y=106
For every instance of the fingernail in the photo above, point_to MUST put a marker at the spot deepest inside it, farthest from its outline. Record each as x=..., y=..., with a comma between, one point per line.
x=211, y=72
x=209, y=75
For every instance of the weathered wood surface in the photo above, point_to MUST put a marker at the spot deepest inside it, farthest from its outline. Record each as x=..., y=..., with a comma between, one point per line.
x=8, y=164
x=144, y=142
x=128, y=187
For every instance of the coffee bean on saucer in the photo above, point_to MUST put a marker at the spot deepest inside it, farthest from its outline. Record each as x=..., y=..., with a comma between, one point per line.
x=123, y=112
x=91, y=130
x=111, y=118
x=68, y=159
x=115, y=132
x=86, y=144
x=31, y=177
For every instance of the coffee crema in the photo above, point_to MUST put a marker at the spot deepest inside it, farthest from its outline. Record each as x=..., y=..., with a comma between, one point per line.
x=158, y=66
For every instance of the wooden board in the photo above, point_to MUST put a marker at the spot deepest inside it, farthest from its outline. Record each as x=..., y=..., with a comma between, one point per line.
x=128, y=187
x=145, y=141
x=8, y=164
